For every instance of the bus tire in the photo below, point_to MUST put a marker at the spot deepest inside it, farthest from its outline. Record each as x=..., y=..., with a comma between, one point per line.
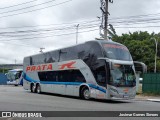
x=85, y=93
x=32, y=88
x=38, y=89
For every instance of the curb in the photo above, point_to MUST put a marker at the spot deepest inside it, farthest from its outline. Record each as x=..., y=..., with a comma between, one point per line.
x=154, y=100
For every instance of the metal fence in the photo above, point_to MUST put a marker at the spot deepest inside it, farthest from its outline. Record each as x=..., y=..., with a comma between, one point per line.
x=3, y=79
x=151, y=83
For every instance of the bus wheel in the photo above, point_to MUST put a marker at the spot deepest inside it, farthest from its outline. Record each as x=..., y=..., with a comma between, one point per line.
x=38, y=89
x=32, y=88
x=85, y=94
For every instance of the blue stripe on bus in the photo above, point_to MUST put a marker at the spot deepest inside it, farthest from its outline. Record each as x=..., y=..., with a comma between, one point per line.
x=63, y=83
x=28, y=78
x=97, y=87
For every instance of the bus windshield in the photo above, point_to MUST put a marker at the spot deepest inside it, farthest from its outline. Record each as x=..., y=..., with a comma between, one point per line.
x=117, y=52
x=12, y=75
x=122, y=76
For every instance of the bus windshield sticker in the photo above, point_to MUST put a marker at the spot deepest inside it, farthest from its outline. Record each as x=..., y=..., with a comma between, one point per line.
x=115, y=46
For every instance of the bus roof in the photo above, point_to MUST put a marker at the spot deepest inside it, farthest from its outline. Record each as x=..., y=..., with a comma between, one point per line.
x=98, y=41
x=15, y=70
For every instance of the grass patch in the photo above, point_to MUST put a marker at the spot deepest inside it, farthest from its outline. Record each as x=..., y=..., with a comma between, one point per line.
x=151, y=94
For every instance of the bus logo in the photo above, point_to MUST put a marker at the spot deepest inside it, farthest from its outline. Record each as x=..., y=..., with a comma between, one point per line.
x=43, y=67
x=125, y=90
x=67, y=65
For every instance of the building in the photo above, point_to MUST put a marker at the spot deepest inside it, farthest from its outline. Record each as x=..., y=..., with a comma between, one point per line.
x=11, y=66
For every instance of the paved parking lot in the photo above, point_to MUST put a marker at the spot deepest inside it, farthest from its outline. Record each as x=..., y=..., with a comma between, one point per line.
x=17, y=99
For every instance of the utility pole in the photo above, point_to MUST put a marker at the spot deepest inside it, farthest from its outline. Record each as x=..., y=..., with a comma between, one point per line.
x=105, y=13
x=155, y=63
x=77, y=26
x=106, y=21
x=155, y=69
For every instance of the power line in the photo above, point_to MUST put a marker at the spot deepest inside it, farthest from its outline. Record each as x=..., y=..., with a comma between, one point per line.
x=61, y=25
x=36, y=9
x=38, y=34
x=139, y=16
x=18, y=4
x=85, y=26
x=48, y=36
x=137, y=27
x=143, y=21
x=135, y=23
x=137, y=20
x=27, y=7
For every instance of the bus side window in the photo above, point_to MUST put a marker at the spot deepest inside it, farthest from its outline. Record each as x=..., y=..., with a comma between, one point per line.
x=42, y=76
x=63, y=76
x=99, y=71
x=101, y=76
x=17, y=75
x=79, y=77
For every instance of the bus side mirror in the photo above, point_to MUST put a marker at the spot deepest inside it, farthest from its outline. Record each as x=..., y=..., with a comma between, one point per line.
x=140, y=67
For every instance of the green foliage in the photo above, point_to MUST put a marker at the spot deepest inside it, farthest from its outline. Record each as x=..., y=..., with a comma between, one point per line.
x=141, y=47
x=3, y=70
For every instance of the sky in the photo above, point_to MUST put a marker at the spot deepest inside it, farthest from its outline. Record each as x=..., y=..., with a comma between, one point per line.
x=28, y=25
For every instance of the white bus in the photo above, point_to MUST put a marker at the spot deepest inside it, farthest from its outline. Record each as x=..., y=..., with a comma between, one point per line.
x=14, y=77
x=94, y=69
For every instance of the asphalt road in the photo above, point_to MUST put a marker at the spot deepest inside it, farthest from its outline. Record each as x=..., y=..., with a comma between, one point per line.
x=17, y=99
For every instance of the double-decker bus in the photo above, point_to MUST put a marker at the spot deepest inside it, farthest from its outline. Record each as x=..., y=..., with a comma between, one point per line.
x=95, y=69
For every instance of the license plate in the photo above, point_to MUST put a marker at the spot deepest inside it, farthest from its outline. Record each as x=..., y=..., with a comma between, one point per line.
x=125, y=96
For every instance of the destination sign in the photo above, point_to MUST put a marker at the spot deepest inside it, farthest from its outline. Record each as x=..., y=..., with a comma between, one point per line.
x=115, y=46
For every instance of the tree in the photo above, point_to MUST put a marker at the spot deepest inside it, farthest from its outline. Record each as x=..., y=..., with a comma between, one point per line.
x=141, y=47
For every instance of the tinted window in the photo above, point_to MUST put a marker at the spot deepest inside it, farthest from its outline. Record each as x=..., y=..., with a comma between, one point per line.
x=118, y=52
x=70, y=76
x=42, y=76
x=92, y=52
x=48, y=76
x=77, y=76
x=89, y=52
x=62, y=76
x=68, y=53
x=48, y=57
x=100, y=72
